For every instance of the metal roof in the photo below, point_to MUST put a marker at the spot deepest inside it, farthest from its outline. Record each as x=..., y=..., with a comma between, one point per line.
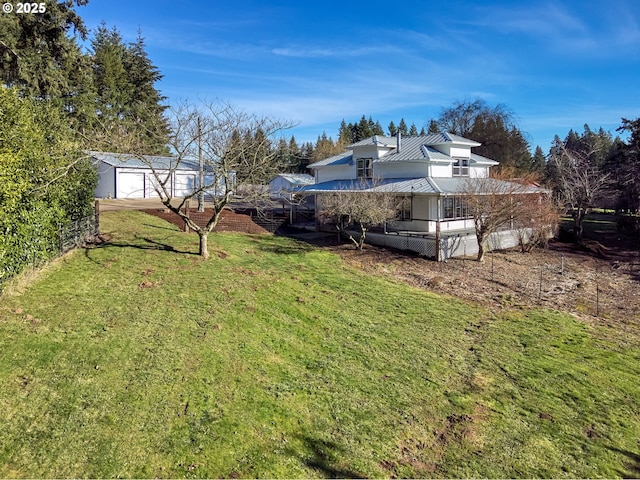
x=125, y=160
x=413, y=148
x=344, y=158
x=480, y=160
x=297, y=179
x=423, y=186
x=378, y=140
x=394, y=185
x=440, y=138
x=459, y=185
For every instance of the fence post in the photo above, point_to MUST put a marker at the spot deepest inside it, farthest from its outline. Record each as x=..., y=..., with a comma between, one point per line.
x=96, y=216
x=438, y=240
x=540, y=285
x=597, y=294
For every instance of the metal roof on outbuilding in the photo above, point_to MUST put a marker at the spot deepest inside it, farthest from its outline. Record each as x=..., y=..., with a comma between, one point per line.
x=297, y=179
x=158, y=162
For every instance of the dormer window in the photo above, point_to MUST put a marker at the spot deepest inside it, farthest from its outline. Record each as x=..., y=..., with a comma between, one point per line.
x=364, y=168
x=461, y=167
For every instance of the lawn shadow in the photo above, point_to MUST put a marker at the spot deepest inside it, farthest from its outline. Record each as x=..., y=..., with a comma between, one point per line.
x=150, y=244
x=275, y=244
x=173, y=228
x=327, y=458
x=633, y=465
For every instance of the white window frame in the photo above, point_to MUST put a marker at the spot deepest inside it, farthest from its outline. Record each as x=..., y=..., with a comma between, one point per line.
x=454, y=208
x=364, y=168
x=405, y=207
x=461, y=167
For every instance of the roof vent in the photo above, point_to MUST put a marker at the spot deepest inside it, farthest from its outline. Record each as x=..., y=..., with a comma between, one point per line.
x=399, y=140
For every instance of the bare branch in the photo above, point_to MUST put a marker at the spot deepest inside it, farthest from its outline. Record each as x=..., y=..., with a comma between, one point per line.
x=359, y=204
x=581, y=182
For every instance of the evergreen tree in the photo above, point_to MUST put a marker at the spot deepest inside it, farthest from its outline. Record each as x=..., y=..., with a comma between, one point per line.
x=433, y=127
x=147, y=102
x=127, y=101
x=344, y=134
x=296, y=161
x=325, y=147
x=402, y=127
x=393, y=130
x=539, y=163
x=362, y=130
x=115, y=92
x=40, y=56
x=377, y=129
x=413, y=130
x=623, y=164
x=307, y=154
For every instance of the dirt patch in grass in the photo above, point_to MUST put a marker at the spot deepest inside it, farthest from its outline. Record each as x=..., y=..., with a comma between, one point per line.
x=229, y=221
x=597, y=283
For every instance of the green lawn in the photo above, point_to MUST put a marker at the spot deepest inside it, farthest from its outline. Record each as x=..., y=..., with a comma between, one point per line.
x=273, y=359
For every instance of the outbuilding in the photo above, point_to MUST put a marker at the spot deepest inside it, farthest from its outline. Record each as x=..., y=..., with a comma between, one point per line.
x=123, y=175
x=285, y=185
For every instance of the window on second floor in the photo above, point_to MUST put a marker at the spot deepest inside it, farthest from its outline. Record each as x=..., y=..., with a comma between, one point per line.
x=461, y=167
x=364, y=168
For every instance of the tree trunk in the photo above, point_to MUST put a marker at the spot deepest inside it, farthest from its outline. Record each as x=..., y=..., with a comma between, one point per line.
x=480, y=257
x=578, y=228
x=204, y=250
x=363, y=234
x=480, y=237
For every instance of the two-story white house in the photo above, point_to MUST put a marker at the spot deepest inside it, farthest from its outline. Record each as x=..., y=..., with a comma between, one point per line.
x=430, y=173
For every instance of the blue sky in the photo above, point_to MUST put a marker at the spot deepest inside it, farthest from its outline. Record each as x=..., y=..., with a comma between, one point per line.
x=556, y=64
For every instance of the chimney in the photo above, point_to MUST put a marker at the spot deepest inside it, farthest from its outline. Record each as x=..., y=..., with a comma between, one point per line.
x=399, y=141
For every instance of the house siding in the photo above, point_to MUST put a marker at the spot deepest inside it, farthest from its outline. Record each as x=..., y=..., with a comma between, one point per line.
x=401, y=170
x=336, y=173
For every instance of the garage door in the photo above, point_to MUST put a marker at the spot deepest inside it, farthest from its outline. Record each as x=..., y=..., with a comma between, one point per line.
x=185, y=184
x=130, y=185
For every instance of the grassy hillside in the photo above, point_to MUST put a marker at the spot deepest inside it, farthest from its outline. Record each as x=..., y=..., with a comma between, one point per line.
x=273, y=359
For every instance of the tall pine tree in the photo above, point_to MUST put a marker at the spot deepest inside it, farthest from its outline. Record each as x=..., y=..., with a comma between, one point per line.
x=127, y=101
x=39, y=55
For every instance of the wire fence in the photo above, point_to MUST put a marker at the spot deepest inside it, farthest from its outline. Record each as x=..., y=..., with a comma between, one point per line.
x=603, y=287
x=69, y=236
x=78, y=232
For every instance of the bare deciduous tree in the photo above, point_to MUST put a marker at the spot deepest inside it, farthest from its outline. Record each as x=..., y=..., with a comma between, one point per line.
x=538, y=221
x=364, y=203
x=494, y=204
x=581, y=182
x=234, y=149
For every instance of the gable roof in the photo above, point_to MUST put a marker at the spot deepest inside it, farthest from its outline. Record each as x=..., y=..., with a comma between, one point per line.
x=297, y=179
x=445, y=137
x=126, y=160
x=378, y=140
